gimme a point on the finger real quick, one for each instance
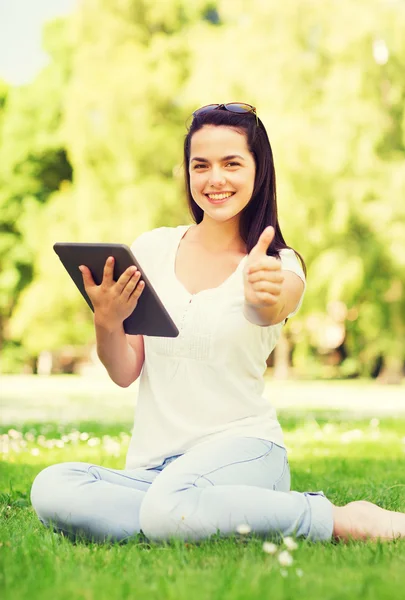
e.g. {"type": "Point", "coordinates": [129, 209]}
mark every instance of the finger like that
{"type": "Point", "coordinates": [108, 271]}
{"type": "Point", "coordinates": [87, 277]}
{"type": "Point", "coordinates": [125, 277]}
{"type": "Point", "coordinates": [266, 286]}
{"type": "Point", "coordinates": [273, 276]}
{"type": "Point", "coordinates": [131, 284]}
{"type": "Point", "coordinates": [264, 265]}
{"type": "Point", "coordinates": [263, 242]}
{"type": "Point", "coordinates": [263, 262]}
{"type": "Point", "coordinates": [138, 290]}
{"type": "Point", "coordinates": [267, 299]}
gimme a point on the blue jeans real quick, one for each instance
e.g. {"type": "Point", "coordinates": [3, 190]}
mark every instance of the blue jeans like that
{"type": "Point", "coordinates": [209, 489]}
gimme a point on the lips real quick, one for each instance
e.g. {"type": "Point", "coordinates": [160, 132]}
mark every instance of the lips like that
{"type": "Point", "coordinates": [220, 199]}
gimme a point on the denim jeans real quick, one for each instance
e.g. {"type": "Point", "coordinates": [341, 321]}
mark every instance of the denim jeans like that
{"type": "Point", "coordinates": [210, 489]}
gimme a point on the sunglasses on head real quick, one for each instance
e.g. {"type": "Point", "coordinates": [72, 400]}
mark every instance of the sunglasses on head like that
{"type": "Point", "coordinates": [235, 107]}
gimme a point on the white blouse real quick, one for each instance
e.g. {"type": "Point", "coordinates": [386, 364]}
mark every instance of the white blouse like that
{"type": "Point", "coordinates": [207, 383]}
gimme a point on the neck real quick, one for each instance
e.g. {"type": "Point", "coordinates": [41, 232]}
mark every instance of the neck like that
{"type": "Point", "coordinates": [219, 237]}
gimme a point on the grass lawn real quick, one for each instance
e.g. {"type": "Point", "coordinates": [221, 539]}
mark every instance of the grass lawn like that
{"type": "Point", "coordinates": [347, 459]}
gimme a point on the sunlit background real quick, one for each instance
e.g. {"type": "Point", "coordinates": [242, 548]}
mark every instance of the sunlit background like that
{"type": "Point", "coordinates": [94, 98]}
{"type": "Point", "coordinates": [21, 21]}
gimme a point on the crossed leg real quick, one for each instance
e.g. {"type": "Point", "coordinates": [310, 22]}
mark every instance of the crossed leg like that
{"type": "Point", "coordinates": [80, 498]}
{"type": "Point", "coordinates": [222, 484]}
{"type": "Point", "coordinates": [211, 488]}
{"type": "Point", "coordinates": [219, 485]}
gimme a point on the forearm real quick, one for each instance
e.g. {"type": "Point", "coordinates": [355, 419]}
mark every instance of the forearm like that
{"type": "Point", "coordinates": [118, 357]}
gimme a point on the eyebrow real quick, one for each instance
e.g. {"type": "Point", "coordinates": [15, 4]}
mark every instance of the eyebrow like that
{"type": "Point", "coordinates": [229, 157]}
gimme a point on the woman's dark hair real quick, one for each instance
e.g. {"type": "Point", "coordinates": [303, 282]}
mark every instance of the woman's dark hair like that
{"type": "Point", "coordinates": [261, 211]}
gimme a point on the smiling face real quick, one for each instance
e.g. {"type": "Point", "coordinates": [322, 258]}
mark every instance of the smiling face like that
{"type": "Point", "coordinates": [222, 171]}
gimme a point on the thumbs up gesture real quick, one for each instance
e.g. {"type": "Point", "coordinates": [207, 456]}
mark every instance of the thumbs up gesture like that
{"type": "Point", "coordinates": [262, 274]}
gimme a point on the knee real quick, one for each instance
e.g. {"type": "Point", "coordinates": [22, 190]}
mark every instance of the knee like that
{"type": "Point", "coordinates": [47, 490]}
{"type": "Point", "coordinates": [41, 487]}
{"type": "Point", "coordinates": [161, 516]}
{"type": "Point", "coordinates": [154, 516]}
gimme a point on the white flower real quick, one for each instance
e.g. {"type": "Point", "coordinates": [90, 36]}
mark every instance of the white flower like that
{"type": "Point", "coordinates": [349, 436]}
{"type": "Point", "coordinates": [285, 559]}
{"type": "Point", "coordinates": [94, 441]}
{"type": "Point", "coordinates": [299, 572]}
{"type": "Point", "coordinates": [35, 451]}
{"type": "Point", "coordinates": [289, 542]}
{"type": "Point", "coordinates": [243, 529]}
{"type": "Point", "coordinates": [14, 434]}
{"type": "Point", "coordinates": [269, 548]}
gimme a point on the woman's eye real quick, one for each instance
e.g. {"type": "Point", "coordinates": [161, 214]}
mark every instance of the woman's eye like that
{"type": "Point", "coordinates": [229, 164]}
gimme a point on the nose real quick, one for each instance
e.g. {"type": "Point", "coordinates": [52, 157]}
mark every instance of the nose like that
{"type": "Point", "coordinates": [217, 177]}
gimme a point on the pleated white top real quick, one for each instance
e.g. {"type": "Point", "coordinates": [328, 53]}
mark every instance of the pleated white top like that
{"type": "Point", "coordinates": [207, 383]}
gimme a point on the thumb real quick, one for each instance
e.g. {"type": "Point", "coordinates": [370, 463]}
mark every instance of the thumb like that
{"type": "Point", "coordinates": [264, 241]}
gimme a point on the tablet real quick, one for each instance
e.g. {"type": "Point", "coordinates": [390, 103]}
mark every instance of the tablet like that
{"type": "Point", "coordinates": [150, 317]}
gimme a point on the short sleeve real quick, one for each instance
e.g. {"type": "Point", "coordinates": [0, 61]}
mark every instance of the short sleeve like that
{"type": "Point", "coordinates": [290, 262]}
{"type": "Point", "coordinates": [139, 247]}
{"type": "Point", "coordinates": [149, 247]}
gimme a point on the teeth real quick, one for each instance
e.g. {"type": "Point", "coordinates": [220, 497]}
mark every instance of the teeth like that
{"type": "Point", "coordinates": [220, 196]}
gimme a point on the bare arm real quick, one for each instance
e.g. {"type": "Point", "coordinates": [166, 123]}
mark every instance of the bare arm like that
{"type": "Point", "coordinates": [113, 301]}
{"type": "Point", "coordinates": [122, 355]}
{"type": "Point", "coordinates": [271, 294]}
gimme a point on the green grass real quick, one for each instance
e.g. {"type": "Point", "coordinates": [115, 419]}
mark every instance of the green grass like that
{"type": "Point", "coordinates": [348, 460]}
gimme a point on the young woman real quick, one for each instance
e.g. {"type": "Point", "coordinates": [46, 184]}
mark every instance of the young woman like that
{"type": "Point", "coordinates": [207, 452]}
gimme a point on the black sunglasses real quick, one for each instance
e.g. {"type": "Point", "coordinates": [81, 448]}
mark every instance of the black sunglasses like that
{"type": "Point", "coordinates": [235, 107]}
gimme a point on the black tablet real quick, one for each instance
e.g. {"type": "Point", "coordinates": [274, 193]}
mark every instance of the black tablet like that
{"type": "Point", "coordinates": [150, 316]}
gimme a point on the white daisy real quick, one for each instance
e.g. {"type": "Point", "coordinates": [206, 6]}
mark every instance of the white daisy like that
{"type": "Point", "coordinates": [290, 543]}
{"type": "Point", "coordinates": [269, 548]}
{"type": "Point", "coordinates": [243, 529]}
{"type": "Point", "coordinates": [285, 559]}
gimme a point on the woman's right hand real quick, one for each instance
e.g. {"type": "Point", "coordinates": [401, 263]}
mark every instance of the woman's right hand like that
{"type": "Point", "coordinates": [113, 301]}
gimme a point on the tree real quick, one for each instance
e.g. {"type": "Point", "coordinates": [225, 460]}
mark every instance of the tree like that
{"type": "Point", "coordinates": [33, 164]}
{"type": "Point", "coordinates": [327, 84]}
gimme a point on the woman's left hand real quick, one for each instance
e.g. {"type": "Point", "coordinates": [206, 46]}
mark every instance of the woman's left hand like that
{"type": "Point", "coordinates": [262, 275]}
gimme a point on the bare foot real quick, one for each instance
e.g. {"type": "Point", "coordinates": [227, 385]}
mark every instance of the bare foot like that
{"type": "Point", "coordinates": [362, 520]}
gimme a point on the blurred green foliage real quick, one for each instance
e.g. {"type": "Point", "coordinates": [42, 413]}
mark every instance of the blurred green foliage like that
{"type": "Point", "coordinates": [91, 150]}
